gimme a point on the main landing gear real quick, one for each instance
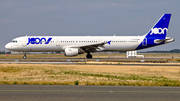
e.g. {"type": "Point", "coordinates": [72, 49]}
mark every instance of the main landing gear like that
{"type": "Point", "coordinates": [89, 56]}
{"type": "Point", "coordinates": [24, 57]}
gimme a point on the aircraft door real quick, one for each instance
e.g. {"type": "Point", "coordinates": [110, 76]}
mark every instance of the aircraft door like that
{"type": "Point", "coordinates": [144, 43]}
{"type": "Point", "coordinates": [57, 41]}
{"type": "Point", "coordinates": [24, 41]}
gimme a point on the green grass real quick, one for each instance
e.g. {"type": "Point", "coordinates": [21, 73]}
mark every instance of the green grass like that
{"type": "Point", "coordinates": [60, 75]}
{"type": "Point", "coordinates": [122, 80]}
{"type": "Point", "coordinates": [10, 69]}
{"type": "Point", "coordinates": [131, 79]}
{"type": "Point", "coordinates": [178, 60]}
{"type": "Point", "coordinates": [76, 82]}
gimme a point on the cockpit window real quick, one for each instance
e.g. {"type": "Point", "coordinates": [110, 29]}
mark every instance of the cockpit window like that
{"type": "Point", "coordinates": [14, 41]}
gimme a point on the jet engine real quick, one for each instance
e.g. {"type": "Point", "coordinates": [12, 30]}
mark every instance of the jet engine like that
{"type": "Point", "coordinates": [73, 51]}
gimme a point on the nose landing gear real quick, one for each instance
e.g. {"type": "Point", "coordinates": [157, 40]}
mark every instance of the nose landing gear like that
{"type": "Point", "coordinates": [88, 56]}
{"type": "Point", "coordinates": [24, 57]}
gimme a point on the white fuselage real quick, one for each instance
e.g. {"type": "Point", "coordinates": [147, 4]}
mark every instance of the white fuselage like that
{"type": "Point", "coordinates": [60, 43]}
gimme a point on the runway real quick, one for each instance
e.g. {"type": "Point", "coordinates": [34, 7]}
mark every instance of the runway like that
{"type": "Point", "coordinates": [84, 60]}
{"type": "Point", "coordinates": [76, 63]}
{"type": "Point", "coordinates": [154, 60]}
{"type": "Point", "coordinates": [87, 93]}
{"type": "Point", "coordinates": [97, 61]}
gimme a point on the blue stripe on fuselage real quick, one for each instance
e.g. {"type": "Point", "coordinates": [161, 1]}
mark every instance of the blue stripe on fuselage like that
{"type": "Point", "coordinates": [149, 43]}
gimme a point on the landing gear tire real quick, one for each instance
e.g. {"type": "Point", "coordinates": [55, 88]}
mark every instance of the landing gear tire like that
{"type": "Point", "coordinates": [89, 56]}
{"type": "Point", "coordinates": [24, 57]}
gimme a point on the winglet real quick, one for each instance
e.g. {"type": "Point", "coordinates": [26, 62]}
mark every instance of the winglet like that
{"type": "Point", "coordinates": [109, 42]}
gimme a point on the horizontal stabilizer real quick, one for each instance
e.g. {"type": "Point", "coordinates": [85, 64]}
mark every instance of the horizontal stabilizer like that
{"type": "Point", "coordinates": [167, 40]}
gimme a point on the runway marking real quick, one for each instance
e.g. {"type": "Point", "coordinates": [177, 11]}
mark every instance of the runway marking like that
{"type": "Point", "coordinates": [165, 92]}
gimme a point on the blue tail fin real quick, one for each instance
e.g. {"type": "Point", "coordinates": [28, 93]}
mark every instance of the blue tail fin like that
{"type": "Point", "coordinates": [157, 34]}
{"type": "Point", "coordinates": [160, 29]}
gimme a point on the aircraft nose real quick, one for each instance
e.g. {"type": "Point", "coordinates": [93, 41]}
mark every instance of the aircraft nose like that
{"type": "Point", "coordinates": [8, 46]}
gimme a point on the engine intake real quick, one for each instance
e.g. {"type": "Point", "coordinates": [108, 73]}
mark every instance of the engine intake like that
{"type": "Point", "coordinates": [73, 51]}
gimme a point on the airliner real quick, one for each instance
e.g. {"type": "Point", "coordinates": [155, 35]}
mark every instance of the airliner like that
{"type": "Point", "coordinates": [75, 45]}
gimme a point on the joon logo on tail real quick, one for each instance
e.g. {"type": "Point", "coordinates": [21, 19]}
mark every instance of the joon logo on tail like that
{"type": "Point", "coordinates": [38, 40]}
{"type": "Point", "coordinates": [158, 31]}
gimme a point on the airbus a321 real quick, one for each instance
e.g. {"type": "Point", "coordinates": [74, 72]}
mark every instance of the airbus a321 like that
{"type": "Point", "coordinates": [75, 45]}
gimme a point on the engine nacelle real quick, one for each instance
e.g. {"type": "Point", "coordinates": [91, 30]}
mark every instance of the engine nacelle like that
{"type": "Point", "coordinates": [73, 51]}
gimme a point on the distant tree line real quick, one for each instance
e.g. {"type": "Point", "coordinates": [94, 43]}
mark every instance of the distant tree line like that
{"type": "Point", "coordinates": [51, 52]}
{"type": "Point", "coordinates": [171, 51]}
{"type": "Point", "coordinates": [9, 52]}
{"type": "Point", "coordinates": [3, 52]}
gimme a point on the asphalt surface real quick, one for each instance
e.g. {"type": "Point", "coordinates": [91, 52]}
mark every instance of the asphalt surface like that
{"type": "Point", "coordinates": [83, 60]}
{"type": "Point", "coordinates": [76, 63]}
{"type": "Point", "coordinates": [87, 93]}
{"type": "Point", "coordinates": [86, 58]}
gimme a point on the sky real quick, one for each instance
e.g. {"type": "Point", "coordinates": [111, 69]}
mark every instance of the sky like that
{"type": "Point", "coordinates": [86, 18]}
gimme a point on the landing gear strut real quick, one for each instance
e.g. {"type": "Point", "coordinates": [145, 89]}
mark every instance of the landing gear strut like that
{"type": "Point", "coordinates": [89, 56]}
{"type": "Point", "coordinates": [24, 57]}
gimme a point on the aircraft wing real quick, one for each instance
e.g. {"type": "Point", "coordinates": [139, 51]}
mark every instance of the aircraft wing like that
{"type": "Point", "coordinates": [91, 47]}
{"type": "Point", "coordinates": [94, 47]}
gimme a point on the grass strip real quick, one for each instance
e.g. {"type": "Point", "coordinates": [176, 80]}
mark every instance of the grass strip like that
{"type": "Point", "coordinates": [123, 80]}
{"type": "Point", "coordinates": [76, 75]}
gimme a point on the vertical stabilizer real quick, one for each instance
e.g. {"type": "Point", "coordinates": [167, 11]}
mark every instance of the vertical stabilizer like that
{"type": "Point", "coordinates": [157, 34]}
{"type": "Point", "coordinates": [160, 29]}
